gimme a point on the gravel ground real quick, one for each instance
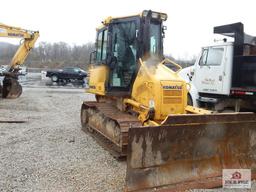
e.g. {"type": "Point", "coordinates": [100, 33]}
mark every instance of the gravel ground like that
{"type": "Point", "coordinates": [50, 152]}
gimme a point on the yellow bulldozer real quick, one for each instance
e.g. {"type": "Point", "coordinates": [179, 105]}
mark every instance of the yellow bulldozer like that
{"type": "Point", "coordinates": [141, 113]}
{"type": "Point", "coordinates": [11, 88]}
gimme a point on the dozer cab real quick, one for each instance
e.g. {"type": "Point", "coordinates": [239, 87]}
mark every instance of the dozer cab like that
{"type": "Point", "coordinates": [141, 113]}
{"type": "Point", "coordinates": [11, 87]}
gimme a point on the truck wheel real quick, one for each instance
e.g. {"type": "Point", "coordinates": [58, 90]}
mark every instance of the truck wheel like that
{"type": "Point", "coordinates": [54, 78]}
{"type": "Point", "coordinates": [64, 82]}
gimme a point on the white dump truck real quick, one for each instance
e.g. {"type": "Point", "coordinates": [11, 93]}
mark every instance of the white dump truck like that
{"type": "Point", "coordinates": [223, 77]}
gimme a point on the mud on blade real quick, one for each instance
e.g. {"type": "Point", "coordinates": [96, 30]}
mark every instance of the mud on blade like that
{"type": "Point", "coordinates": [190, 151]}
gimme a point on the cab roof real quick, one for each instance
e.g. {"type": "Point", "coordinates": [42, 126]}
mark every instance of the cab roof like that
{"type": "Point", "coordinates": [162, 16]}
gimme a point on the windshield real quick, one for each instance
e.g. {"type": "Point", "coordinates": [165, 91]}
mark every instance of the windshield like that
{"type": "Point", "coordinates": [77, 70]}
{"type": "Point", "coordinates": [124, 48]}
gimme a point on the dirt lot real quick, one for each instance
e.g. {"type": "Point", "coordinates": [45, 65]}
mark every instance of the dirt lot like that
{"type": "Point", "coordinates": [49, 152]}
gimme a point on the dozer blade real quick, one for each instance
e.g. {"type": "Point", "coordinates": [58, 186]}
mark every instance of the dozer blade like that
{"type": "Point", "coordinates": [190, 151]}
{"type": "Point", "coordinates": [11, 88]}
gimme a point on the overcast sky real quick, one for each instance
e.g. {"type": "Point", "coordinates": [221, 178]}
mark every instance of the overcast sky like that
{"type": "Point", "coordinates": [189, 25]}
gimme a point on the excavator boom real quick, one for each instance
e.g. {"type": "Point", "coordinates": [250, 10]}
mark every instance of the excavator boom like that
{"type": "Point", "coordinates": [11, 87]}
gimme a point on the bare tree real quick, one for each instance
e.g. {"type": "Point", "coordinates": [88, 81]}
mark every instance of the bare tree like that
{"type": "Point", "coordinates": [51, 55]}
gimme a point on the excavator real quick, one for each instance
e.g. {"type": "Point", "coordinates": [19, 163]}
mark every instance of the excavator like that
{"type": "Point", "coordinates": [11, 88]}
{"type": "Point", "coordinates": [141, 113]}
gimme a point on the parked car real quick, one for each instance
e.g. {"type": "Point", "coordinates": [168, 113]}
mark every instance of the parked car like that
{"type": "Point", "coordinates": [67, 75]}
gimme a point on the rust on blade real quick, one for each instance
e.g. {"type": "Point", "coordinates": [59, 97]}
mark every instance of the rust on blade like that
{"type": "Point", "coordinates": [210, 118]}
{"type": "Point", "coordinates": [190, 151]}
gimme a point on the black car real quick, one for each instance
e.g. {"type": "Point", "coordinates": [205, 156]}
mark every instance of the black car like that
{"type": "Point", "coordinates": [67, 74]}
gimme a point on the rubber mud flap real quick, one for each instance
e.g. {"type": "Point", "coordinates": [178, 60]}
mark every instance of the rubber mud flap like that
{"type": "Point", "coordinates": [190, 151]}
{"type": "Point", "coordinates": [11, 88]}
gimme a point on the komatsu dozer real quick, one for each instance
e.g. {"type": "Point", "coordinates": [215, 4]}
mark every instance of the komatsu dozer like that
{"type": "Point", "coordinates": [141, 113]}
{"type": "Point", "coordinates": [11, 87]}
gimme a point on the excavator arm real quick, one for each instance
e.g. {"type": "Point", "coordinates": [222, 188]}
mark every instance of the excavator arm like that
{"type": "Point", "coordinates": [11, 87]}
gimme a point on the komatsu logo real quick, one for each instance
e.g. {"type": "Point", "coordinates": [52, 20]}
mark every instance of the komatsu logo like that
{"type": "Point", "coordinates": [172, 87]}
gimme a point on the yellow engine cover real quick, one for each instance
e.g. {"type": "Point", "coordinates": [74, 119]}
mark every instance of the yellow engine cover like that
{"type": "Point", "coordinates": [160, 88]}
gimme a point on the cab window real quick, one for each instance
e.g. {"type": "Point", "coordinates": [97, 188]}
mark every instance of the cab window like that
{"type": "Point", "coordinates": [203, 57]}
{"type": "Point", "coordinates": [68, 69]}
{"type": "Point", "coordinates": [155, 36]}
{"type": "Point", "coordinates": [101, 47]}
{"type": "Point", "coordinates": [124, 48]}
{"type": "Point", "coordinates": [212, 56]}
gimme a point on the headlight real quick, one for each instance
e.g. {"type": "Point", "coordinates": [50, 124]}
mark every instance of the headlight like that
{"type": "Point", "coordinates": [163, 16]}
{"type": "Point", "coordinates": [155, 15]}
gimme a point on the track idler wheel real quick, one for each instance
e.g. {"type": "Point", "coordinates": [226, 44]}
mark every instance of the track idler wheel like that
{"type": "Point", "coordinates": [85, 119]}
{"type": "Point", "coordinates": [11, 88]}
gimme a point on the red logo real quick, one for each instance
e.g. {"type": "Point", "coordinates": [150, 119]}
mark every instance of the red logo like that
{"type": "Point", "coordinates": [236, 175]}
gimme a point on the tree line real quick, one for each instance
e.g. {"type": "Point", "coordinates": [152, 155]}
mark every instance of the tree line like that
{"type": "Point", "coordinates": [61, 54]}
{"type": "Point", "coordinates": [51, 55]}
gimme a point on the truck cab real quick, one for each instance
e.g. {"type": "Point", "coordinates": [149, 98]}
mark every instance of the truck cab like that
{"type": "Point", "coordinates": [224, 75]}
{"type": "Point", "coordinates": [213, 69]}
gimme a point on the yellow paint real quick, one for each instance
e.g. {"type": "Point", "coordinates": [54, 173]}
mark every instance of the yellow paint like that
{"type": "Point", "coordinates": [109, 19]}
{"type": "Point", "coordinates": [151, 85]}
{"type": "Point", "coordinates": [156, 90]}
{"type": "Point", "coordinates": [195, 110]}
{"type": "Point", "coordinates": [98, 78]}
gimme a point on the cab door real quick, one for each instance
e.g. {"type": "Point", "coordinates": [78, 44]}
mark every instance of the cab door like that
{"type": "Point", "coordinates": [124, 51]}
{"type": "Point", "coordinates": [209, 72]}
{"type": "Point", "coordinates": [99, 71]}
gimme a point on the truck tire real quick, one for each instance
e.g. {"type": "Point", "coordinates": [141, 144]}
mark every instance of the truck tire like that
{"type": "Point", "coordinates": [54, 78]}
